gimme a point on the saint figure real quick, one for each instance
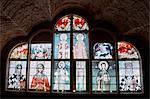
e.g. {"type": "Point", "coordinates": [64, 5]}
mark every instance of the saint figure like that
{"type": "Point", "coordinates": [61, 77]}
{"type": "Point", "coordinates": [17, 80]}
{"type": "Point", "coordinates": [79, 48]}
{"type": "Point", "coordinates": [103, 78]}
{"type": "Point", "coordinates": [63, 47]}
{"type": "Point", "coordinates": [40, 80]}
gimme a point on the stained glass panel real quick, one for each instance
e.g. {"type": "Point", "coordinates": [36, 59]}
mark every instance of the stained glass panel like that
{"type": "Point", "coordinates": [103, 51]}
{"type": "Point", "coordinates": [79, 23]}
{"type": "Point", "coordinates": [41, 51]}
{"type": "Point", "coordinates": [129, 76]}
{"type": "Point", "coordinates": [63, 24]}
{"type": "Point", "coordinates": [62, 46]}
{"type": "Point", "coordinates": [80, 46]}
{"type": "Point", "coordinates": [61, 78]}
{"type": "Point", "coordinates": [126, 50]}
{"type": "Point", "coordinates": [103, 76]}
{"type": "Point", "coordinates": [40, 73]}
{"type": "Point", "coordinates": [20, 52]}
{"type": "Point", "coordinates": [17, 75]}
{"type": "Point", "coordinates": [80, 75]}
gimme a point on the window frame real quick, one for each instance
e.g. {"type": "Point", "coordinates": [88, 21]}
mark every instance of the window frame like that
{"type": "Point", "coordinates": [88, 69]}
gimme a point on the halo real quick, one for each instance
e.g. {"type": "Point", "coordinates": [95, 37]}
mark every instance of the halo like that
{"type": "Point", "coordinates": [77, 37]}
{"type": "Point", "coordinates": [63, 36]}
{"type": "Point", "coordinates": [101, 62]}
{"type": "Point", "coordinates": [61, 62]}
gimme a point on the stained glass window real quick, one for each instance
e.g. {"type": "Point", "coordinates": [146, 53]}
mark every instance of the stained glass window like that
{"type": "Point", "coordinates": [19, 52]}
{"type": "Point", "coordinates": [17, 75]}
{"type": "Point", "coordinates": [39, 78]}
{"type": "Point", "coordinates": [126, 50]}
{"type": "Point", "coordinates": [80, 48]}
{"type": "Point", "coordinates": [130, 76]}
{"type": "Point", "coordinates": [65, 62]}
{"type": "Point", "coordinates": [61, 78]}
{"type": "Point", "coordinates": [81, 75]}
{"type": "Point", "coordinates": [103, 51]}
{"type": "Point", "coordinates": [79, 23]}
{"type": "Point", "coordinates": [17, 67]}
{"type": "Point", "coordinates": [62, 46]}
{"type": "Point", "coordinates": [130, 72]}
{"type": "Point", "coordinates": [104, 76]}
{"type": "Point", "coordinates": [41, 51]}
{"type": "Point", "coordinates": [63, 24]}
{"type": "Point", "coordinates": [70, 43]}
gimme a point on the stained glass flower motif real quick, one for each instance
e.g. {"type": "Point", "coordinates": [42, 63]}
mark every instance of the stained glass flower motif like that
{"type": "Point", "coordinates": [20, 52]}
{"type": "Point", "coordinates": [126, 50]}
{"type": "Point", "coordinates": [63, 24]}
{"type": "Point", "coordinates": [79, 23]}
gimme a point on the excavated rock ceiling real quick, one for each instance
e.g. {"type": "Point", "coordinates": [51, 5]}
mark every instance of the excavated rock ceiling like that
{"type": "Point", "coordinates": [18, 17]}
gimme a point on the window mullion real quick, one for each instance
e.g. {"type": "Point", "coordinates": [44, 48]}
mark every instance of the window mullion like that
{"type": "Point", "coordinates": [71, 56]}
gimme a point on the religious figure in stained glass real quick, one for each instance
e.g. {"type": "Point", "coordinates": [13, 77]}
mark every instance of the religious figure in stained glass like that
{"type": "Point", "coordinates": [80, 75]}
{"type": "Point", "coordinates": [61, 77]}
{"type": "Point", "coordinates": [17, 79]}
{"type": "Point", "coordinates": [63, 47]}
{"type": "Point", "coordinates": [80, 48]}
{"type": "Point", "coordinates": [40, 80]}
{"type": "Point", "coordinates": [103, 77]}
{"type": "Point", "coordinates": [103, 51]}
{"type": "Point", "coordinates": [129, 81]}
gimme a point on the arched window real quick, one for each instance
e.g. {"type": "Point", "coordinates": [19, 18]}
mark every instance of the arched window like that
{"type": "Point", "coordinates": [17, 64]}
{"type": "Point", "coordinates": [71, 53]}
{"type": "Point", "coordinates": [39, 63]}
{"type": "Point", "coordinates": [130, 70]}
{"type": "Point", "coordinates": [71, 59]}
{"type": "Point", "coordinates": [104, 68]}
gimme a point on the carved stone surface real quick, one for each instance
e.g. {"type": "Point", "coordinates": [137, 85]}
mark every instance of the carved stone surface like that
{"type": "Point", "coordinates": [18, 17]}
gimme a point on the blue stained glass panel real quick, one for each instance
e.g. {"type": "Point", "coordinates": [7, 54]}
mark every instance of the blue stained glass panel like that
{"type": "Point", "coordinates": [62, 46]}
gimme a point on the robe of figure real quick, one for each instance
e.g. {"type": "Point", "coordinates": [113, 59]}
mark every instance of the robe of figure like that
{"type": "Point", "coordinates": [80, 50]}
{"type": "Point", "coordinates": [16, 81]}
{"type": "Point", "coordinates": [63, 50]}
{"type": "Point", "coordinates": [40, 82]}
{"type": "Point", "coordinates": [103, 80]}
{"type": "Point", "coordinates": [61, 78]}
